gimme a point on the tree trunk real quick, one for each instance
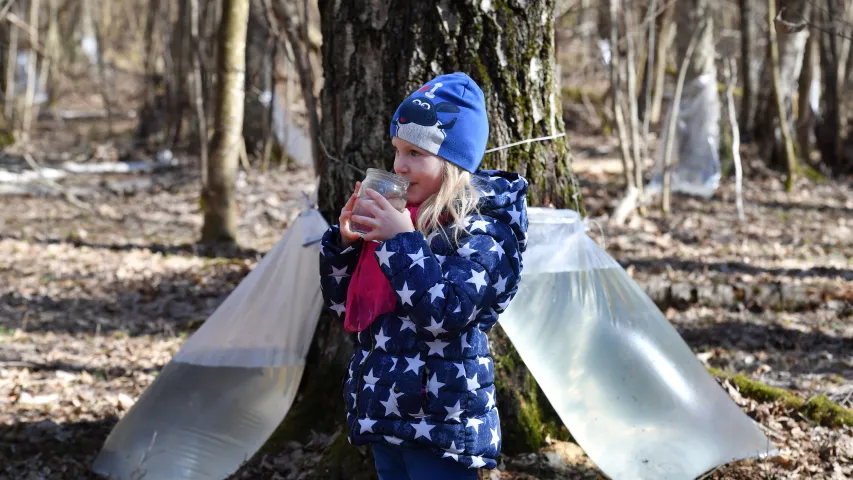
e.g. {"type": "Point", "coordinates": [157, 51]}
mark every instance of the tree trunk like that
{"type": "Point", "coordinates": [11, 64]}
{"type": "Point", "coordinates": [508, 50]}
{"type": "Point", "coordinates": [747, 40]}
{"type": "Point", "coordinates": [220, 210]}
{"type": "Point", "coordinates": [198, 90]}
{"type": "Point", "coordinates": [633, 113]}
{"type": "Point", "coordinates": [791, 48]}
{"type": "Point", "coordinates": [696, 51]}
{"type": "Point", "coordinates": [665, 27]}
{"type": "Point", "coordinates": [32, 59]}
{"type": "Point", "coordinates": [694, 62]}
{"type": "Point", "coordinates": [809, 73]}
{"type": "Point", "coordinates": [616, 93]}
{"type": "Point", "coordinates": [828, 127]}
{"type": "Point", "coordinates": [780, 96]}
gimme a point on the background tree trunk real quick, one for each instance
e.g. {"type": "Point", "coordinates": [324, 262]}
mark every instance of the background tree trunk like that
{"type": "Point", "coordinates": [791, 48]}
{"type": "Point", "coordinates": [809, 73]}
{"type": "Point", "coordinates": [747, 40]}
{"type": "Point", "coordinates": [509, 51]}
{"type": "Point", "coordinates": [781, 94]}
{"type": "Point", "coordinates": [32, 61]}
{"type": "Point", "coordinates": [220, 211]}
{"type": "Point", "coordinates": [828, 127]}
{"type": "Point", "coordinates": [665, 36]}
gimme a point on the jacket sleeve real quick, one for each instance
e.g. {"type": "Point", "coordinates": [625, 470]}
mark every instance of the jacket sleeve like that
{"type": "Point", "coordinates": [336, 268]}
{"type": "Point", "coordinates": [447, 293]}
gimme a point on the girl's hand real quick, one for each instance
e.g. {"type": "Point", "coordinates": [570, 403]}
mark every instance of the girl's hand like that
{"type": "Point", "coordinates": [387, 221]}
{"type": "Point", "coordinates": [348, 237]}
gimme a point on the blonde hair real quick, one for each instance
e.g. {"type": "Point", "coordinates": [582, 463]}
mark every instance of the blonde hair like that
{"type": "Point", "coordinates": [457, 198]}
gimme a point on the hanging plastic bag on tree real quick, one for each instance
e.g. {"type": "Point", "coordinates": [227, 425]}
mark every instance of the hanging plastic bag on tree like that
{"type": "Point", "coordinates": [620, 377]}
{"type": "Point", "coordinates": [231, 384]}
{"type": "Point", "coordinates": [695, 163]}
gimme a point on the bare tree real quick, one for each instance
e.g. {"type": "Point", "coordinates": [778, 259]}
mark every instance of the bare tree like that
{"type": "Point", "coordinates": [747, 39]}
{"type": "Point", "coordinates": [32, 61]}
{"type": "Point", "coordinates": [220, 209]}
{"type": "Point", "coordinates": [198, 89]}
{"type": "Point", "coordinates": [779, 94]}
{"type": "Point", "coordinates": [828, 128]}
{"type": "Point", "coordinates": [695, 44]}
{"type": "Point", "coordinates": [666, 29]}
{"type": "Point", "coordinates": [616, 93]}
{"type": "Point", "coordinates": [11, 63]}
{"type": "Point", "coordinates": [633, 112]}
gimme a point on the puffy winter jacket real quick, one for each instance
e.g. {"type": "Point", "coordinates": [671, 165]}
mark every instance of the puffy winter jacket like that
{"type": "Point", "coordinates": [422, 376]}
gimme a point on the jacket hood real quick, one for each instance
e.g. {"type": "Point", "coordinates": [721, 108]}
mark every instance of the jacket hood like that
{"type": "Point", "coordinates": [505, 198]}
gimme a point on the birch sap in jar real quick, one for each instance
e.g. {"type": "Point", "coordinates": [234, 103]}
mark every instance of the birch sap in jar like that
{"type": "Point", "coordinates": [390, 185]}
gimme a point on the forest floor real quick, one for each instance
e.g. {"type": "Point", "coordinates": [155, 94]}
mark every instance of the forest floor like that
{"type": "Point", "coordinates": [97, 294]}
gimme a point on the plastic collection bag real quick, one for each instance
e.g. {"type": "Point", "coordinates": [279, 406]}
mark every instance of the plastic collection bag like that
{"type": "Point", "coordinates": [231, 384]}
{"type": "Point", "coordinates": [621, 378]}
{"type": "Point", "coordinates": [695, 163]}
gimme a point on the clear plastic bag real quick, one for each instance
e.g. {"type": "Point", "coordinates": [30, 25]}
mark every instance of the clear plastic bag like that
{"type": "Point", "coordinates": [695, 163]}
{"type": "Point", "coordinates": [231, 384]}
{"type": "Point", "coordinates": [621, 378]}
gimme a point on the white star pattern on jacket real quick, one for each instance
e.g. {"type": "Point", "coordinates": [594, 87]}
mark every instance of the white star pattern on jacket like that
{"type": "Point", "coordinates": [437, 347]}
{"type": "Point", "coordinates": [366, 424]}
{"type": "Point", "coordinates": [384, 256]}
{"type": "Point", "coordinates": [498, 247]}
{"type": "Point", "coordinates": [435, 328]}
{"type": "Point", "coordinates": [422, 429]}
{"type": "Point", "coordinates": [478, 279]}
{"type": "Point", "coordinates": [381, 339]}
{"type": "Point", "coordinates": [448, 293]}
{"type": "Point", "coordinates": [339, 273]}
{"type": "Point", "coordinates": [454, 412]}
{"type": "Point", "coordinates": [417, 258]}
{"type": "Point", "coordinates": [478, 225]}
{"type": "Point", "coordinates": [406, 294]}
{"type": "Point", "coordinates": [475, 424]}
{"type": "Point", "coordinates": [437, 291]}
{"type": "Point", "coordinates": [495, 437]}
{"type": "Point", "coordinates": [415, 364]}
{"type": "Point", "coordinates": [339, 308]}
{"type": "Point", "coordinates": [433, 386]}
{"type": "Point", "coordinates": [466, 250]}
{"type": "Point", "coordinates": [390, 405]}
{"type": "Point", "coordinates": [370, 381]}
{"type": "Point", "coordinates": [407, 324]}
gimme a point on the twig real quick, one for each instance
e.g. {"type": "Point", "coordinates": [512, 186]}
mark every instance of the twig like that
{"type": "Point", "coordinates": [6, 8]}
{"type": "Point", "coordinates": [730, 73]}
{"type": "Point", "coordinates": [522, 142]}
{"type": "Point", "coordinates": [330, 157]}
{"type": "Point", "coordinates": [68, 196]}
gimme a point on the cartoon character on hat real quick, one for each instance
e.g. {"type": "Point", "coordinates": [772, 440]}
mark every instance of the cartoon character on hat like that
{"type": "Point", "coordinates": [446, 117]}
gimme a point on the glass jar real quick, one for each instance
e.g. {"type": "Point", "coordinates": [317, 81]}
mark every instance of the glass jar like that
{"type": "Point", "coordinates": [390, 185]}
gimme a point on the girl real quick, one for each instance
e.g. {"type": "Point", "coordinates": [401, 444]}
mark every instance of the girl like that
{"type": "Point", "coordinates": [423, 288]}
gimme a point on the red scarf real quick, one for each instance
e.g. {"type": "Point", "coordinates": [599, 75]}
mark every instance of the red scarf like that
{"type": "Point", "coordinates": [370, 294]}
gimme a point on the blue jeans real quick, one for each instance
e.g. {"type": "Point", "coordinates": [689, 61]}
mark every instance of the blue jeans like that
{"type": "Point", "coordinates": [397, 463]}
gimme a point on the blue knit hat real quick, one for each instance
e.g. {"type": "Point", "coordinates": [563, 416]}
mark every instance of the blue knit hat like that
{"type": "Point", "coordinates": [446, 117]}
